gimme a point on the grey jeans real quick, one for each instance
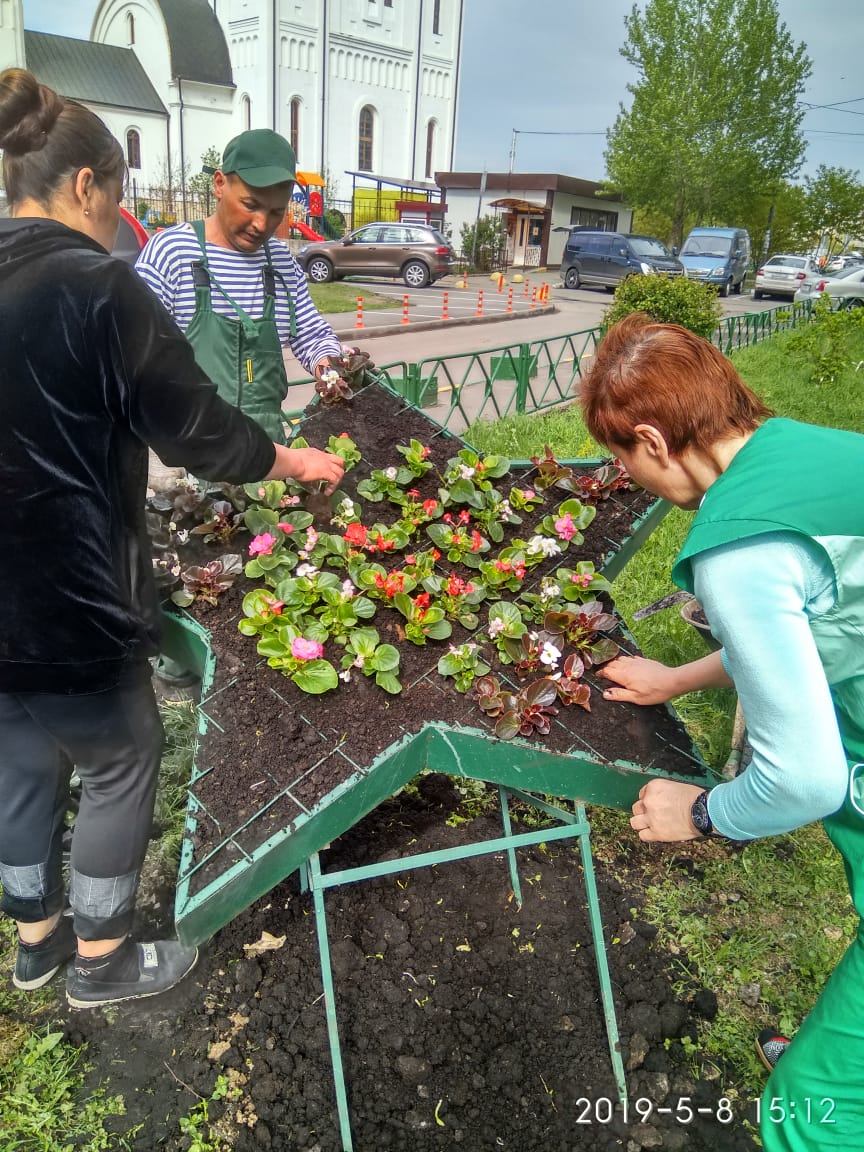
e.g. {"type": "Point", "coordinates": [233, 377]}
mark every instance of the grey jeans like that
{"type": "Point", "coordinates": [115, 741]}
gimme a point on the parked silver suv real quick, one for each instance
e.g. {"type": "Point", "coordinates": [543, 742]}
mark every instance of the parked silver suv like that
{"type": "Point", "coordinates": [416, 252]}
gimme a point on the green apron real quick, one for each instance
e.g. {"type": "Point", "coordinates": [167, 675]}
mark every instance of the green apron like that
{"type": "Point", "coordinates": [242, 356]}
{"type": "Point", "coordinates": [805, 479]}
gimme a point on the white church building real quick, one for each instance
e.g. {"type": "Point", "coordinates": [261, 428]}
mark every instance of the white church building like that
{"type": "Point", "coordinates": [364, 87]}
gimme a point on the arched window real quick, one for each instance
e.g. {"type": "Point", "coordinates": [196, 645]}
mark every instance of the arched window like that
{"type": "Point", "coordinates": [133, 149]}
{"type": "Point", "coordinates": [246, 112]}
{"type": "Point", "coordinates": [366, 139]}
{"type": "Point", "coordinates": [295, 125]}
{"type": "Point", "coordinates": [130, 29]}
{"type": "Point", "coordinates": [430, 147]}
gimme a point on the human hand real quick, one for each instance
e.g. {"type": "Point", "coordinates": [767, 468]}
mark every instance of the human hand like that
{"type": "Point", "coordinates": [639, 681]}
{"type": "Point", "coordinates": [307, 466]}
{"type": "Point", "coordinates": [662, 811]}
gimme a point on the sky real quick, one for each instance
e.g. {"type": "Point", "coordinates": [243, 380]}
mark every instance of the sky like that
{"type": "Point", "coordinates": [555, 66]}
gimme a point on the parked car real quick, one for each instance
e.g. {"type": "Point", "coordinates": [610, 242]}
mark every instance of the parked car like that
{"type": "Point", "coordinates": [416, 252]}
{"type": "Point", "coordinates": [718, 256]}
{"type": "Point", "coordinates": [838, 263]}
{"type": "Point", "coordinates": [784, 275]}
{"type": "Point", "coordinates": [607, 257]}
{"type": "Point", "coordinates": [846, 288]}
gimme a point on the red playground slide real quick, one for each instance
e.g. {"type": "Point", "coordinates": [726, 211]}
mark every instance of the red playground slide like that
{"type": "Point", "coordinates": [306, 231]}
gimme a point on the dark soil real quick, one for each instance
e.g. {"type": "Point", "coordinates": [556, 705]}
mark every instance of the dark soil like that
{"type": "Point", "coordinates": [506, 1040]}
{"type": "Point", "coordinates": [273, 751]}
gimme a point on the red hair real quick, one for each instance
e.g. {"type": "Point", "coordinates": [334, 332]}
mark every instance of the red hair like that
{"type": "Point", "coordinates": [665, 376]}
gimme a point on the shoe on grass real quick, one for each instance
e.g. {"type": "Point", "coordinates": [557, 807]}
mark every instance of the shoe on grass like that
{"type": "Point", "coordinates": [35, 964]}
{"type": "Point", "coordinates": [131, 972]}
{"type": "Point", "coordinates": [770, 1046]}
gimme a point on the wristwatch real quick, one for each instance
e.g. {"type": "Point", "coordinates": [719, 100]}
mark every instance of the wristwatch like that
{"type": "Point", "coordinates": [699, 815]}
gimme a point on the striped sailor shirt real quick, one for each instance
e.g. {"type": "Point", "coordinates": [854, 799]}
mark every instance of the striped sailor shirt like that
{"type": "Point", "coordinates": [165, 265]}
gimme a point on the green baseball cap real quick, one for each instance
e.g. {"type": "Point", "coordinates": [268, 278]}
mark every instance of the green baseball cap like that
{"type": "Point", "coordinates": [260, 157]}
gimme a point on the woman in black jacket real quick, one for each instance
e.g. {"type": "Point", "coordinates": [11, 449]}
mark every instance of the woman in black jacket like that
{"type": "Point", "coordinates": [93, 371]}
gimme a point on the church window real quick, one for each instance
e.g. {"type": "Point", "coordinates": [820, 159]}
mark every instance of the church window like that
{"type": "Point", "coordinates": [436, 17]}
{"type": "Point", "coordinates": [133, 149]}
{"type": "Point", "coordinates": [130, 29]}
{"type": "Point", "coordinates": [430, 147]}
{"type": "Point", "coordinates": [366, 139]}
{"type": "Point", "coordinates": [295, 125]}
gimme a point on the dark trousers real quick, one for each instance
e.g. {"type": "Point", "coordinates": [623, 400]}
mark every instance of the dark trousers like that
{"type": "Point", "coordinates": [115, 741]}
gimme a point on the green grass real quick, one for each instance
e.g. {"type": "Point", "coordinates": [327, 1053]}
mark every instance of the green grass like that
{"type": "Point", "coordinates": [40, 1106]}
{"type": "Point", "coordinates": [783, 381]}
{"type": "Point", "coordinates": [329, 298]}
{"type": "Point", "coordinates": [520, 437]}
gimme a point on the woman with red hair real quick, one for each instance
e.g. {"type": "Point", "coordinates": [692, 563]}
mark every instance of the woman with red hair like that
{"type": "Point", "coordinates": [775, 555]}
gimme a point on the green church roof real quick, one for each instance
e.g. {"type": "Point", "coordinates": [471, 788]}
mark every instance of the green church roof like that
{"type": "Point", "coordinates": [90, 72]}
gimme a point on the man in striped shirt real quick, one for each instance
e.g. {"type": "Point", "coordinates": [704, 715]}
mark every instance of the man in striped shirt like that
{"type": "Point", "coordinates": [238, 294]}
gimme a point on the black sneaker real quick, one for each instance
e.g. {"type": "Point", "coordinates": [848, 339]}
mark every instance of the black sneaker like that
{"type": "Point", "coordinates": [770, 1046]}
{"type": "Point", "coordinates": [130, 972]}
{"type": "Point", "coordinates": [35, 964]}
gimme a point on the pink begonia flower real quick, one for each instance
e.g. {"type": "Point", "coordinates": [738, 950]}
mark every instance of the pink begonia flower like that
{"type": "Point", "coordinates": [303, 649]}
{"type": "Point", "coordinates": [565, 527]}
{"type": "Point", "coordinates": [262, 545]}
{"type": "Point", "coordinates": [583, 579]}
{"type": "Point", "coordinates": [284, 527]}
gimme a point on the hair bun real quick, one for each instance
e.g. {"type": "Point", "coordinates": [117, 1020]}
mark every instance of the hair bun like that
{"type": "Point", "coordinates": [28, 112]}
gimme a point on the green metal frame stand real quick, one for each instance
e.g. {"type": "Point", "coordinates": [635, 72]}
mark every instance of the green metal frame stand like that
{"type": "Point", "coordinates": [313, 879]}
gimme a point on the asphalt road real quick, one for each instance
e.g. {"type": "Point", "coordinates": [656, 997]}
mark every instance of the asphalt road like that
{"type": "Point", "coordinates": [576, 311]}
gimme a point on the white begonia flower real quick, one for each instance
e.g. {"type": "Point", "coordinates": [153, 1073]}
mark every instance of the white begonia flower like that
{"type": "Point", "coordinates": [306, 570]}
{"type": "Point", "coordinates": [496, 627]}
{"type": "Point", "coordinates": [548, 590]}
{"type": "Point", "coordinates": [346, 507]}
{"type": "Point", "coordinates": [549, 654]}
{"type": "Point", "coordinates": [345, 676]}
{"type": "Point", "coordinates": [535, 545]}
{"type": "Point", "coordinates": [549, 547]}
{"type": "Point", "coordinates": [348, 590]}
{"type": "Point", "coordinates": [465, 472]}
{"type": "Point", "coordinates": [390, 473]}
{"type": "Point", "coordinates": [182, 536]}
{"type": "Point", "coordinates": [504, 509]}
{"type": "Point", "coordinates": [359, 661]}
{"type": "Point", "coordinates": [172, 527]}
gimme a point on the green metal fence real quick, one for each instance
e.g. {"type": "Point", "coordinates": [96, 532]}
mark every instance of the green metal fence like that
{"type": "Point", "coordinates": [528, 377]}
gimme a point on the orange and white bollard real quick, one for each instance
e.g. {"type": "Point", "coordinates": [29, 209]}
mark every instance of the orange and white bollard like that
{"type": "Point", "coordinates": [526, 291]}
{"type": "Point", "coordinates": [533, 303]}
{"type": "Point", "coordinates": [545, 293]}
{"type": "Point", "coordinates": [405, 319]}
{"type": "Point", "coordinates": [501, 282]}
{"type": "Point", "coordinates": [359, 323]}
{"type": "Point", "coordinates": [509, 307]}
{"type": "Point", "coordinates": [480, 302]}
{"type": "Point", "coordinates": [445, 307]}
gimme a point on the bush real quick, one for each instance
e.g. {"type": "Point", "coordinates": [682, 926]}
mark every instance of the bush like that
{"type": "Point", "coordinates": [824, 342]}
{"type": "Point", "coordinates": [667, 300]}
{"type": "Point", "coordinates": [491, 241]}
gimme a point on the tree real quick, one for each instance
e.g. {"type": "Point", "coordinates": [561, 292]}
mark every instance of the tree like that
{"type": "Point", "coordinates": [202, 182]}
{"type": "Point", "coordinates": [715, 118]}
{"type": "Point", "coordinates": [833, 206]}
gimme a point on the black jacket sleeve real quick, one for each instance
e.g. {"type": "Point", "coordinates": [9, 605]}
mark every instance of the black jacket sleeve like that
{"type": "Point", "coordinates": [164, 396]}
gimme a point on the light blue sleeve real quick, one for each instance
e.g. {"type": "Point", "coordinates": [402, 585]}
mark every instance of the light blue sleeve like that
{"type": "Point", "coordinates": [759, 595]}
